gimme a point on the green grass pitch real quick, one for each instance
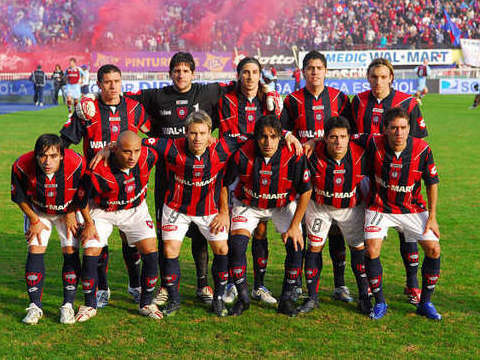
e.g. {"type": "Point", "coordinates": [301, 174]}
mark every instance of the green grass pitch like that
{"type": "Point", "coordinates": [335, 330]}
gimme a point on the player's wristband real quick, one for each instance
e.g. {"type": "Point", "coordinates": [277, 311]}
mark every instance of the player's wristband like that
{"type": "Point", "coordinates": [36, 222]}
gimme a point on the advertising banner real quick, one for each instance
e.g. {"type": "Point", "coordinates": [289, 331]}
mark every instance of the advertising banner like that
{"type": "Point", "coordinates": [361, 59]}
{"type": "Point", "coordinates": [143, 61]}
{"type": "Point", "coordinates": [458, 86]}
{"type": "Point", "coordinates": [279, 60]}
{"type": "Point", "coordinates": [471, 51]}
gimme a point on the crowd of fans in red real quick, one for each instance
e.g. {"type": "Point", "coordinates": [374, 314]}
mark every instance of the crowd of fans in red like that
{"type": "Point", "coordinates": [205, 25]}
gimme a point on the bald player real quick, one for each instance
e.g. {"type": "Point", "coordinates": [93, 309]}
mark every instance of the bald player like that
{"type": "Point", "coordinates": [114, 194]}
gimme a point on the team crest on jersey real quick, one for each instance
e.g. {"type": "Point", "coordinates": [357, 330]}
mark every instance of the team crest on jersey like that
{"type": "Point", "coordinates": [130, 188]}
{"type": "Point", "coordinates": [182, 112]}
{"type": "Point", "coordinates": [251, 117]}
{"type": "Point", "coordinates": [394, 174]}
{"type": "Point", "coordinates": [338, 180]}
{"type": "Point", "coordinates": [264, 181]}
{"type": "Point", "coordinates": [318, 116]}
{"type": "Point", "coordinates": [376, 119]}
{"type": "Point", "coordinates": [197, 173]}
{"type": "Point", "coordinates": [50, 193]}
{"type": "Point", "coordinates": [114, 129]}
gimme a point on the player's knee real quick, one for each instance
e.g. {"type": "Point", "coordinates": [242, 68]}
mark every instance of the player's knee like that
{"type": "Point", "coordinates": [219, 247]}
{"type": "Point", "coordinates": [35, 249]}
{"type": "Point", "coordinates": [171, 249]}
{"type": "Point", "coordinates": [315, 249]}
{"type": "Point", "coordinates": [431, 249]}
{"type": "Point", "coordinates": [93, 251]}
{"type": "Point", "coordinates": [373, 248]}
{"type": "Point", "coordinates": [69, 250]}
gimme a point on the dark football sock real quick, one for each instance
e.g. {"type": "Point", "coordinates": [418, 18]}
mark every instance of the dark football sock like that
{"type": "Point", "coordinates": [409, 252]}
{"type": "Point", "coordinates": [358, 268]}
{"type": "Point", "coordinates": [430, 276]}
{"type": "Point", "coordinates": [220, 274]}
{"type": "Point", "coordinates": [260, 260]}
{"type": "Point", "coordinates": [70, 275]}
{"type": "Point", "coordinates": [149, 278]}
{"type": "Point", "coordinates": [132, 260]}
{"type": "Point", "coordinates": [172, 279]}
{"type": "Point", "coordinates": [336, 247]}
{"type": "Point", "coordinates": [293, 269]}
{"type": "Point", "coordinates": [89, 279]}
{"type": "Point", "coordinates": [200, 256]}
{"type": "Point", "coordinates": [313, 268]}
{"type": "Point", "coordinates": [238, 264]}
{"type": "Point", "coordinates": [34, 277]}
{"type": "Point", "coordinates": [375, 274]}
{"type": "Point", "coordinates": [102, 283]}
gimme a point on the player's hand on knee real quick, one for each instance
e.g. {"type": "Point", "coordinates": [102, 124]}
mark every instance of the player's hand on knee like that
{"type": "Point", "coordinates": [89, 233]}
{"type": "Point", "coordinates": [220, 223]}
{"type": "Point", "coordinates": [71, 223]}
{"type": "Point", "coordinates": [34, 231]}
{"type": "Point", "coordinates": [296, 235]}
{"type": "Point", "coordinates": [432, 224]}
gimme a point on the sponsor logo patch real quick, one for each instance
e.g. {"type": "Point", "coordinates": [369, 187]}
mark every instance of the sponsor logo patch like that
{"type": "Point", "coordinates": [169, 227]}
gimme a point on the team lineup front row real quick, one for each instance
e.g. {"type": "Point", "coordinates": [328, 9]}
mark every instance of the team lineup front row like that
{"type": "Point", "coordinates": [364, 183]}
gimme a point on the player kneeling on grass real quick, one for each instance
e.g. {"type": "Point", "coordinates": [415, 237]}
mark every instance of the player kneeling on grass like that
{"type": "Point", "coordinates": [337, 166]}
{"type": "Point", "coordinates": [44, 183]}
{"type": "Point", "coordinates": [114, 194]}
{"type": "Point", "coordinates": [195, 167]}
{"type": "Point", "coordinates": [269, 178]}
{"type": "Point", "coordinates": [397, 163]}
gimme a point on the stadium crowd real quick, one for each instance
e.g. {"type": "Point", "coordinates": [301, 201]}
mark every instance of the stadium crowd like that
{"type": "Point", "coordinates": [207, 25]}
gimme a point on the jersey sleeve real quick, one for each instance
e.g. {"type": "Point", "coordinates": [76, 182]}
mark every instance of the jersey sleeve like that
{"type": "Point", "coordinates": [72, 131]}
{"type": "Point", "coordinates": [345, 107]}
{"type": "Point", "coordinates": [18, 185]}
{"type": "Point", "coordinates": [228, 145]}
{"type": "Point", "coordinates": [418, 128]}
{"type": "Point", "coordinates": [231, 172]}
{"type": "Point", "coordinates": [159, 145]}
{"type": "Point", "coordinates": [354, 114]}
{"type": "Point", "coordinates": [429, 171]}
{"type": "Point", "coordinates": [302, 176]}
{"type": "Point", "coordinates": [285, 116]}
{"type": "Point", "coordinates": [149, 98]}
{"type": "Point", "coordinates": [85, 190]}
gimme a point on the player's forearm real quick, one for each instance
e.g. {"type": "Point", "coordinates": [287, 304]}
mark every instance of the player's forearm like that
{"type": "Point", "coordinates": [301, 208]}
{"type": "Point", "coordinates": [28, 211]}
{"type": "Point", "coordinates": [86, 215]}
{"type": "Point", "coordinates": [223, 201]}
{"type": "Point", "coordinates": [432, 196]}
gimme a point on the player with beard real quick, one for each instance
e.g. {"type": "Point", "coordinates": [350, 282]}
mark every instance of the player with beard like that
{"type": "Point", "coordinates": [305, 112]}
{"type": "Point", "coordinates": [269, 178]}
{"type": "Point", "coordinates": [368, 108]}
